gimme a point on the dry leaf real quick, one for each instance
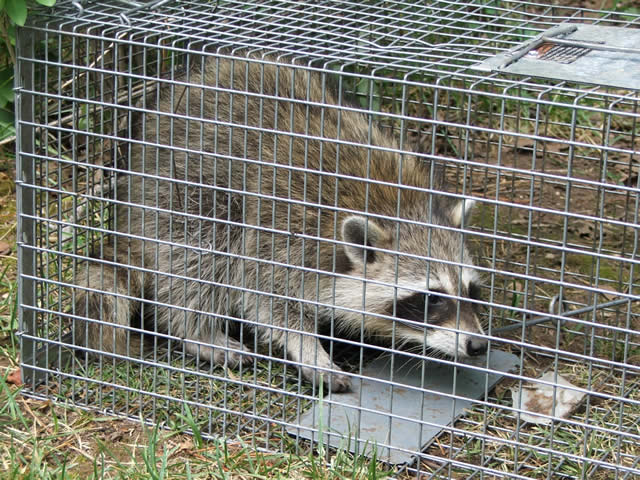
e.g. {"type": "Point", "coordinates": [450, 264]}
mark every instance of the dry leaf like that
{"type": "Point", "coordinates": [5, 248]}
{"type": "Point", "coordinates": [15, 378]}
{"type": "Point", "coordinates": [551, 400]}
{"type": "Point", "coordinates": [608, 296]}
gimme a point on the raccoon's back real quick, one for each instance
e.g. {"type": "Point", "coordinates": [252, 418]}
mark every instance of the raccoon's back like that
{"type": "Point", "coordinates": [252, 142]}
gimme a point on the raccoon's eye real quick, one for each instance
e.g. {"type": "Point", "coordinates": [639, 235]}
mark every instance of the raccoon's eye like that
{"type": "Point", "coordinates": [434, 300]}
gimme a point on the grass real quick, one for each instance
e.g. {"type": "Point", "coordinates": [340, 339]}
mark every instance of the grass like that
{"type": "Point", "coordinates": [43, 440]}
{"type": "Point", "coordinates": [54, 442]}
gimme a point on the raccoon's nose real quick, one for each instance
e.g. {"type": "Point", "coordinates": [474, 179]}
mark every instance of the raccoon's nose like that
{"type": "Point", "coordinates": [476, 346]}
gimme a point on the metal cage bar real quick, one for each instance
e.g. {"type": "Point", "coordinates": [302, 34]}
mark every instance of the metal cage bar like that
{"type": "Point", "coordinates": [189, 166]}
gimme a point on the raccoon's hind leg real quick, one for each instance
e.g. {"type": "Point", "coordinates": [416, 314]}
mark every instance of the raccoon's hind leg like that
{"type": "Point", "coordinates": [105, 299]}
{"type": "Point", "coordinates": [194, 319]}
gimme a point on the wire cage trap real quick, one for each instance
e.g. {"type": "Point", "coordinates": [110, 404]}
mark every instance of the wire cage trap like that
{"type": "Point", "coordinates": [207, 184]}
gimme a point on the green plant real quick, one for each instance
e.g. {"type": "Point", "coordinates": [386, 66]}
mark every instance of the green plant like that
{"type": "Point", "coordinates": [12, 13]}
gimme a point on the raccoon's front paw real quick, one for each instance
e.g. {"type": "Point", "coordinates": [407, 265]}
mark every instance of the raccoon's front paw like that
{"type": "Point", "coordinates": [334, 382]}
{"type": "Point", "coordinates": [230, 359]}
{"type": "Point", "coordinates": [337, 382]}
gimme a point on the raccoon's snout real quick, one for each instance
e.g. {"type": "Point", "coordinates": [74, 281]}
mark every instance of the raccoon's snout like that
{"type": "Point", "coordinates": [476, 346]}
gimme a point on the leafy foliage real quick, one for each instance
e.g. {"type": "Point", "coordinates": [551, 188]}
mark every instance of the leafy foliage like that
{"type": "Point", "coordinates": [12, 13]}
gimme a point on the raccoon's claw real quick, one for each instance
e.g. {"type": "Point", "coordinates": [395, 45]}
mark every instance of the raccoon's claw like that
{"type": "Point", "coordinates": [334, 382]}
{"type": "Point", "coordinates": [337, 382]}
{"type": "Point", "coordinates": [230, 359]}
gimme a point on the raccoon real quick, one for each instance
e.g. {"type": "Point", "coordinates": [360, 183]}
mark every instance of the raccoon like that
{"type": "Point", "coordinates": [253, 194]}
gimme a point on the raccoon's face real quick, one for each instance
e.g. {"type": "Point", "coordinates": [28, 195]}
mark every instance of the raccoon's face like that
{"type": "Point", "coordinates": [424, 295]}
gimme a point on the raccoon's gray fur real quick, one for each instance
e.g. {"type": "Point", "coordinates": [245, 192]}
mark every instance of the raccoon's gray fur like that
{"type": "Point", "coordinates": [246, 198]}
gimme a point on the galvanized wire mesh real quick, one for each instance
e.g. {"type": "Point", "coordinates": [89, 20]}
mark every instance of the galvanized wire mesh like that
{"type": "Point", "coordinates": [553, 166]}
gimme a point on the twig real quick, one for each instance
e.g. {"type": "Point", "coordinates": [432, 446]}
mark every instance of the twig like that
{"type": "Point", "coordinates": [7, 40]}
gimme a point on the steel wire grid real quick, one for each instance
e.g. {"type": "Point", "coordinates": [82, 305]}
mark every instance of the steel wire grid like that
{"type": "Point", "coordinates": [553, 166]}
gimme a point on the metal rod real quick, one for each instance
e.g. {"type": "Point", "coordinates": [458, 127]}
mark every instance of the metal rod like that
{"type": "Point", "coordinates": [573, 313]}
{"type": "Point", "coordinates": [592, 46]}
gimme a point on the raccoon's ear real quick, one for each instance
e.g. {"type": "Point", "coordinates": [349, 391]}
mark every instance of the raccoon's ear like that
{"type": "Point", "coordinates": [362, 233]}
{"type": "Point", "coordinates": [462, 209]}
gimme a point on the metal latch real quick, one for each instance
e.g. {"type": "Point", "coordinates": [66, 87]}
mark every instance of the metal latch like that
{"type": "Point", "coordinates": [581, 53]}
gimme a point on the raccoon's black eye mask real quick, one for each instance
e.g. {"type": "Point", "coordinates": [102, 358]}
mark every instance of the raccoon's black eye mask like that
{"type": "Point", "coordinates": [413, 307]}
{"type": "Point", "coordinates": [474, 292]}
